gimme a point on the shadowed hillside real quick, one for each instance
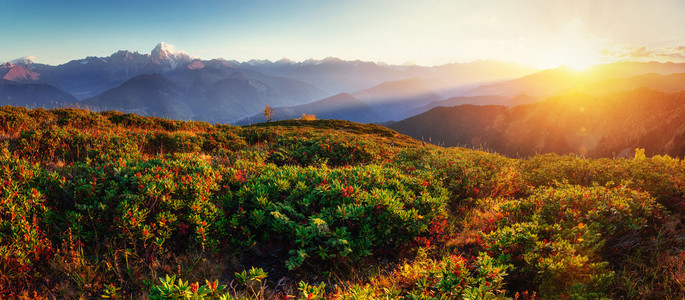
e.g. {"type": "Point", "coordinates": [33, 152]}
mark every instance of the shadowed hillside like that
{"type": "Point", "coordinates": [145, 95]}
{"type": "Point", "coordinates": [605, 126]}
{"type": "Point", "coordinates": [41, 95]}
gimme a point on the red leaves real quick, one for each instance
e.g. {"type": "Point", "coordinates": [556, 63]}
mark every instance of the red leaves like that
{"type": "Point", "coordinates": [437, 232]}
{"type": "Point", "coordinates": [347, 191]}
{"type": "Point", "coordinates": [240, 176]}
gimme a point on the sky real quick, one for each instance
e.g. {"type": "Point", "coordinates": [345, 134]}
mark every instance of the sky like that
{"type": "Point", "coordinates": [544, 34]}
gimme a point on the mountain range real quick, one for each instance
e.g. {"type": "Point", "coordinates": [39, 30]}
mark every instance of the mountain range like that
{"type": "Point", "coordinates": [595, 126]}
{"type": "Point", "coordinates": [172, 84]}
{"type": "Point", "coordinates": [562, 79]}
{"type": "Point", "coordinates": [397, 100]}
{"type": "Point", "coordinates": [220, 90]}
{"type": "Point", "coordinates": [509, 108]}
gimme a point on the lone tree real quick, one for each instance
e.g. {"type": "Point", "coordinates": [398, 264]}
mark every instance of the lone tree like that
{"type": "Point", "coordinates": [268, 113]}
{"type": "Point", "coordinates": [307, 117]}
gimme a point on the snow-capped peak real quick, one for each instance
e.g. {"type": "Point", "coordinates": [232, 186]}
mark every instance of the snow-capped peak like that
{"type": "Point", "coordinates": [26, 60]}
{"type": "Point", "coordinates": [166, 55]}
{"type": "Point", "coordinates": [163, 51]}
{"type": "Point", "coordinates": [285, 61]}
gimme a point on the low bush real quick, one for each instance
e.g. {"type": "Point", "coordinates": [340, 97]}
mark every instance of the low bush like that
{"type": "Point", "coordinates": [118, 205]}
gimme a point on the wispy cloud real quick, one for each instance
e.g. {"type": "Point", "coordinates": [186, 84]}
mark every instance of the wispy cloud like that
{"type": "Point", "coordinates": [645, 54]}
{"type": "Point", "coordinates": [24, 59]}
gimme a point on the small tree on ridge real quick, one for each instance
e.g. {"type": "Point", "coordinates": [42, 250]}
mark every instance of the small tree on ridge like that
{"type": "Point", "coordinates": [268, 113]}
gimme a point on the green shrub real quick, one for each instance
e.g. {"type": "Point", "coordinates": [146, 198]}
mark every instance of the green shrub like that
{"type": "Point", "coordinates": [24, 243]}
{"type": "Point", "coordinates": [70, 145]}
{"type": "Point", "coordinates": [562, 240]}
{"type": "Point", "coordinates": [312, 149]}
{"type": "Point", "coordinates": [104, 204]}
{"type": "Point", "coordinates": [14, 120]}
{"type": "Point", "coordinates": [175, 142]}
{"type": "Point", "coordinates": [80, 118]}
{"type": "Point", "coordinates": [328, 216]}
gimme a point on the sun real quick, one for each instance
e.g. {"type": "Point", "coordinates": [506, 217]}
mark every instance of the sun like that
{"type": "Point", "coordinates": [575, 51]}
{"type": "Point", "coordinates": [577, 58]}
{"type": "Point", "coordinates": [578, 63]}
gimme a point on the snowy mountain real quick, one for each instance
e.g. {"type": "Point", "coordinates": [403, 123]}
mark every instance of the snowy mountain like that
{"type": "Point", "coordinates": [220, 90]}
{"type": "Point", "coordinates": [167, 58]}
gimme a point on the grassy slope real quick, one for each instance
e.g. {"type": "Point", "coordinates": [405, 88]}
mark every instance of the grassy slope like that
{"type": "Point", "coordinates": [104, 204]}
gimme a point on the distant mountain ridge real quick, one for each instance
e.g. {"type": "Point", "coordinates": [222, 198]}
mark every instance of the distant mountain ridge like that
{"type": "Point", "coordinates": [171, 83]}
{"type": "Point", "coordinates": [85, 78]}
{"type": "Point", "coordinates": [342, 106]}
{"type": "Point", "coordinates": [334, 75]}
{"type": "Point", "coordinates": [665, 83]}
{"type": "Point", "coordinates": [388, 101]}
{"type": "Point", "coordinates": [148, 94]}
{"type": "Point", "coordinates": [553, 81]}
{"type": "Point", "coordinates": [221, 90]}
{"type": "Point", "coordinates": [42, 95]}
{"type": "Point", "coordinates": [394, 99]}
{"type": "Point", "coordinates": [206, 96]}
{"type": "Point", "coordinates": [400, 99]}
{"type": "Point", "coordinates": [90, 76]}
{"type": "Point", "coordinates": [605, 126]}
{"type": "Point", "coordinates": [476, 100]}
{"type": "Point", "coordinates": [17, 73]}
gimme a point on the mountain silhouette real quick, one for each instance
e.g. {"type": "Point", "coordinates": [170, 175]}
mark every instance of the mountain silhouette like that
{"type": "Point", "coordinates": [553, 81]}
{"type": "Point", "coordinates": [394, 100]}
{"type": "Point", "coordinates": [33, 95]}
{"type": "Point", "coordinates": [578, 123]}
{"type": "Point", "coordinates": [149, 94]}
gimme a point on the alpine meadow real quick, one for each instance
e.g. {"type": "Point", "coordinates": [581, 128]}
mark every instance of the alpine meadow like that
{"type": "Point", "coordinates": [342, 150]}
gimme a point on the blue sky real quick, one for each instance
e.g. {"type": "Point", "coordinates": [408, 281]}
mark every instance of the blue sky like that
{"type": "Point", "coordinates": [541, 33]}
